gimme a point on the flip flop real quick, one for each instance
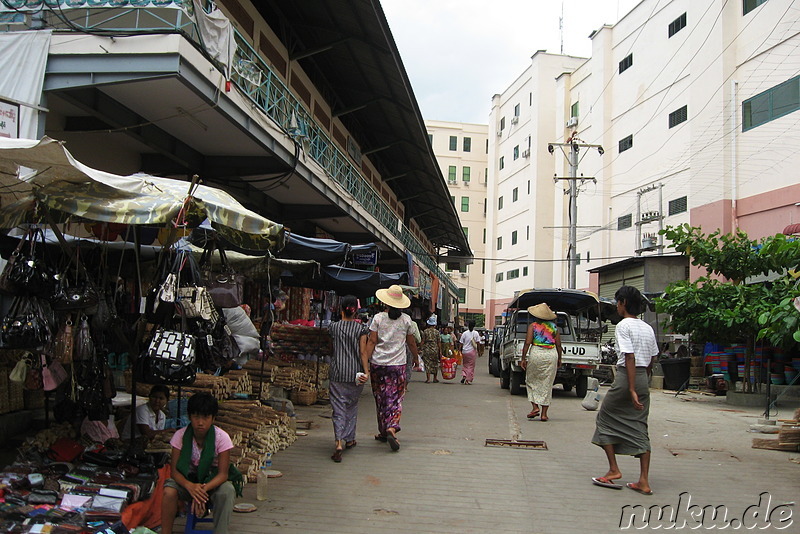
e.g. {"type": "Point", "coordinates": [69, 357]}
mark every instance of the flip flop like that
{"type": "Point", "coordinates": [337, 455]}
{"type": "Point", "coordinates": [534, 414]}
{"type": "Point", "coordinates": [350, 444]}
{"type": "Point", "coordinates": [637, 489]}
{"type": "Point", "coordinates": [380, 438]}
{"type": "Point", "coordinates": [393, 443]}
{"type": "Point", "coordinates": [606, 483]}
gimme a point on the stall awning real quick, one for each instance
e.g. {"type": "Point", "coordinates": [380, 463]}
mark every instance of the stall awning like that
{"type": "Point", "coordinates": [348, 281]}
{"type": "Point", "coordinates": [46, 172]}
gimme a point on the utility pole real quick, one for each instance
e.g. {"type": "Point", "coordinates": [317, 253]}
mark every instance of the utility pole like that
{"type": "Point", "coordinates": [571, 150]}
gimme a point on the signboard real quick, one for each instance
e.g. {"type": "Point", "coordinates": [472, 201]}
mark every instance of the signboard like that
{"type": "Point", "coordinates": [365, 258]}
{"type": "Point", "coordinates": [9, 119]}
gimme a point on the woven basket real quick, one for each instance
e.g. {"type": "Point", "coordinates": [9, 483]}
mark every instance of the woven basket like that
{"type": "Point", "coordinates": [304, 395]}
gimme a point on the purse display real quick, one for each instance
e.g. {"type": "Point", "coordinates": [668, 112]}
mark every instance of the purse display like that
{"type": "Point", "coordinates": [53, 374]}
{"type": "Point", "coordinates": [172, 346]}
{"type": "Point", "coordinates": [28, 273]}
{"type": "Point", "coordinates": [64, 342]}
{"type": "Point", "coordinates": [20, 370]}
{"type": "Point", "coordinates": [225, 286]}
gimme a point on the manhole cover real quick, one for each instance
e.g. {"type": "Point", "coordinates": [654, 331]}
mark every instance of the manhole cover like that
{"type": "Point", "coordinates": [516, 444]}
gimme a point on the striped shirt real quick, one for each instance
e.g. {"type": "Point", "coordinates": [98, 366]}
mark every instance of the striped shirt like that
{"type": "Point", "coordinates": [346, 360]}
{"type": "Point", "coordinates": [636, 337]}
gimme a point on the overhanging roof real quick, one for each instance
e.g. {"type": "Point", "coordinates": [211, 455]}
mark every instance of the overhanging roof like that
{"type": "Point", "coordinates": [347, 49]}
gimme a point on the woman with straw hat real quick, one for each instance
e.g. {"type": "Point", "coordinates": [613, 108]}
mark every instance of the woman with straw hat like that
{"type": "Point", "coordinates": [543, 362]}
{"type": "Point", "coordinates": [385, 359]}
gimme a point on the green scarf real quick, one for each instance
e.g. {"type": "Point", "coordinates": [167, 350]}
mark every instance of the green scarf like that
{"type": "Point", "coordinates": [205, 471]}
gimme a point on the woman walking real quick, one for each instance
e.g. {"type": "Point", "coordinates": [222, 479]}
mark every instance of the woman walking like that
{"type": "Point", "coordinates": [543, 361]}
{"type": "Point", "coordinates": [431, 350]}
{"type": "Point", "coordinates": [469, 352]}
{"type": "Point", "coordinates": [385, 355]}
{"type": "Point", "coordinates": [349, 343]}
{"type": "Point", "coordinates": [621, 426]}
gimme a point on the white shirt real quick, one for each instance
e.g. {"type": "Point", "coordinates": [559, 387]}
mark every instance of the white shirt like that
{"type": "Point", "coordinates": [145, 416]}
{"type": "Point", "coordinates": [469, 341]}
{"type": "Point", "coordinates": [637, 337]}
{"type": "Point", "coordinates": [391, 347]}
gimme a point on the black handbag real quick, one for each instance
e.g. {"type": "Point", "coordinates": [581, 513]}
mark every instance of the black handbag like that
{"type": "Point", "coordinates": [169, 357]}
{"type": "Point", "coordinates": [29, 273]}
{"type": "Point", "coordinates": [26, 325]}
{"type": "Point", "coordinates": [225, 285]}
{"type": "Point", "coordinates": [215, 344]}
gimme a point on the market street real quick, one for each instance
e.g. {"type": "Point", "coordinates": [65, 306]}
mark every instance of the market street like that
{"type": "Point", "coordinates": [445, 480]}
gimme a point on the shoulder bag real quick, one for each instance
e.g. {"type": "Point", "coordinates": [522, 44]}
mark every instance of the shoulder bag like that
{"type": "Point", "coordinates": [226, 287]}
{"type": "Point", "coordinates": [169, 358]}
{"type": "Point", "coordinates": [53, 374]}
{"type": "Point", "coordinates": [26, 325]}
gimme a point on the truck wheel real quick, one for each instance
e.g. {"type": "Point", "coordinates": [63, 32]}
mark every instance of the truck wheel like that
{"type": "Point", "coordinates": [494, 366]}
{"type": "Point", "coordinates": [505, 378]}
{"type": "Point", "coordinates": [581, 385]}
{"type": "Point", "coordinates": [567, 387]}
{"type": "Point", "coordinates": [517, 385]}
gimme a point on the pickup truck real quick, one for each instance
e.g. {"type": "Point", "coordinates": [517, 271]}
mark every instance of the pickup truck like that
{"type": "Point", "coordinates": [578, 319]}
{"type": "Point", "coordinates": [493, 348]}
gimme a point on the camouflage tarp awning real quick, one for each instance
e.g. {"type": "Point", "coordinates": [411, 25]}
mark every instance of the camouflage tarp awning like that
{"type": "Point", "coordinates": [45, 171]}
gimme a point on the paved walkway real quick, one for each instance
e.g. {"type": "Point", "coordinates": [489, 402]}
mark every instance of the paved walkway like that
{"type": "Point", "coordinates": [445, 480]}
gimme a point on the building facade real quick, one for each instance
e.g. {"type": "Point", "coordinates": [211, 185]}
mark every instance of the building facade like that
{"type": "Point", "coordinates": [461, 151]}
{"type": "Point", "coordinates": [698, 124]}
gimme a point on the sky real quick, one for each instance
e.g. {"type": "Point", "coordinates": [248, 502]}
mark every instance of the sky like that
{"type": "Point", "coordinates": [459, 53]}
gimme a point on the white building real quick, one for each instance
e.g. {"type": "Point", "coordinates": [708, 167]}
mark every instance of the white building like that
{"type": "Point", "coordinates": [695, 105]}
{"type": "Point", "coordinates": [461, 151]}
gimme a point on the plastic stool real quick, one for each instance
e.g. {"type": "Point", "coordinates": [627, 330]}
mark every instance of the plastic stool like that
{"type": "Point", "coordinates": [192, 521]}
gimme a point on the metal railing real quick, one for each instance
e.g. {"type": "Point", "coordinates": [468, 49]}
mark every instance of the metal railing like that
{"type": "Point", "coordinates": [249, 72]}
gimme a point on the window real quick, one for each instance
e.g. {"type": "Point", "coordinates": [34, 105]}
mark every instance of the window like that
{"type": "Point", "coordinates": [528, 233]}
{"type": "Point", "coordinates": [626, 63]}
{"type": "Point", "coordinates": [502, 123]}
{"type": "Point", "coordinates": [529, 187]}
{"type": "Point", "coordinates": [516, 110]}
{"type": "Point", "coordinates": [453, 142]}
{"type": "Point", "coordinates": [430, 139]}
{"type": "Point", "coordinates": [524, 271]}
{"type": "Point", "coordinates": [484, 235]}
{"type": "Point", "coordinates": [482, 296]}
{"type": "Point", "coordinates": [487, 146]}
{"type": "Point", "coordinates": [573, 110]}
{"type": "Point", "coordinates": [451, 174]}
{"type": "Point", "coordinates": [515, 194]}
{"type": "Point", "coordinates": [502, 162]}
{"type": "Point", "coordinates": [677, 25]}
{"type": "Point", "coordinates": [467, 144]}
{"type": "Point", "coordinates": [498, 277]}
{"type": "Point", "coordinates": [677, 206]}
{"type": "Point", "coordinates": [512, 274]}
{"type": "Point", "coordinates": [500, 203]}
{"type": "Point", "coordinates": [453, 199]}
{"type": "Point", "coordinates": [625, 144]}
{"type": "Point", "coordinates": [485, 206]}
{"type": "Point", "coordinates": [678, 116]}
{"type": "Point", "coordinates": [771, 104]}
{"type": "Point", "coordinates": [750, 5]}
{"type": "Point", "coordinates": [624, 222]}
{"type": "Point", "coordinates": [516, 152]}
{"type": "Point", "coordinates": [500, 243]}
{"type": "Point", "coordinates": [465, 230]}
{"type": "Point", "coordinates": [483, 265]}
{"type": "Point", "coordinates": [465, 204]}
{"type": "Point", "coordinates": [462, 268]}
{"type": "Point", "coordinates": [462, 295]}
{"type": "Point", "coordinates": [514, 237]}
{"type": "Point", "coordinates": [530, 99]}
{"type": "Point", "coordinates": [465, 174]}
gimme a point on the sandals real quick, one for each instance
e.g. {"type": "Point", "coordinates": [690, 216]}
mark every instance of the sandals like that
{"type": "Point", "coordinates": [350, 444]}
{"type": "Point", "coordinates": [380, 438]}
{"type": "Point", "coordinates": [337, 455]}
{"type": "Point", "coordinates": [533, 414]}
{"type": "Point", "coordinates": [393, 443]}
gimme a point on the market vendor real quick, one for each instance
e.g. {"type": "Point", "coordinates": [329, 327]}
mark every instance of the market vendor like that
{"type": "Point", "coordinates": [150, 417]}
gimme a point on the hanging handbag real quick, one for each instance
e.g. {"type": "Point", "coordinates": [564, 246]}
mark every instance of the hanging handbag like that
{"type": "Point", "coordinates": [33, 381]}
{"type": "Point", "coordinates": [30, 274]}
{"type": "Point", "coordinates": [53, 374]}
{"type": "Point", "coordinates": [20, 370]}
{"type": "Point", "coordinates": [226, 287]}
{"type": "Point", "coordinates": [64, 342]}
{"type": "Point", "coordinates": [193, 296]}
{"type": "Point", "coordinates": [169, 358]}
{"type": "Point", "coordinates": [74, 297]}
{"type": "Point", "coordinates": [84, 349]}
{"type": "Point", "coordinates": [176, 348]}
{"type": "Point", "coordinates": [25, 326]}
{"type": "Point", "coordinates": [7, 286]}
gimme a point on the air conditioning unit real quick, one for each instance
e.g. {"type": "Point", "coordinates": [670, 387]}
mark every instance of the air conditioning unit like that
{"type": "Point", "coordinates": [451, 182]}
{"type": "Point", "coordinates": [466, 183]}
{"type": "Point", "coordinates": [514, 120]}
{"type": "Point", "coordinates": [572, 122]}
{"type": "Point", "coordinates": [499, 133]}
{"type": "Point", "coordinates": [526, 153]}
{"type": "Point", "coordinates": [463, 275]}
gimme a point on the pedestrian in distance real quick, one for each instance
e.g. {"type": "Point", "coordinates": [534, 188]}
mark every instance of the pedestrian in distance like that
{"type": "Point", "coordinates": [410, 361]}
{"type": "Point", "coordinates": [347, 374]}
{"type": "Point", "coordinates": [542, 361]}
{"type": "Point", "coordinates": [385, 355]}
{"type": "Point", "coordinates": [431, 349]}
{"type": "Point", "coordinates": [447, 342]}
{"type": "Point", "coordinates": [621, 426]}
{"type": "Point", "coordinates": [469, 352]}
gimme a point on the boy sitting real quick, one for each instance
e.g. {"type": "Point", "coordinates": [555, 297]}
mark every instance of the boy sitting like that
{"type": "Point", "coordinates": [201, 467]}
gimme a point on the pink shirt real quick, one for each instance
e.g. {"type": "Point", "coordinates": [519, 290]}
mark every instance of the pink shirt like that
{"type": "Point", "coordinates": [223, 443]}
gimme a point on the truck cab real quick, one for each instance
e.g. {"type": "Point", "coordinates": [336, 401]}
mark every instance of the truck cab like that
{"type": "Point", "coordinates": [578, 319]}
